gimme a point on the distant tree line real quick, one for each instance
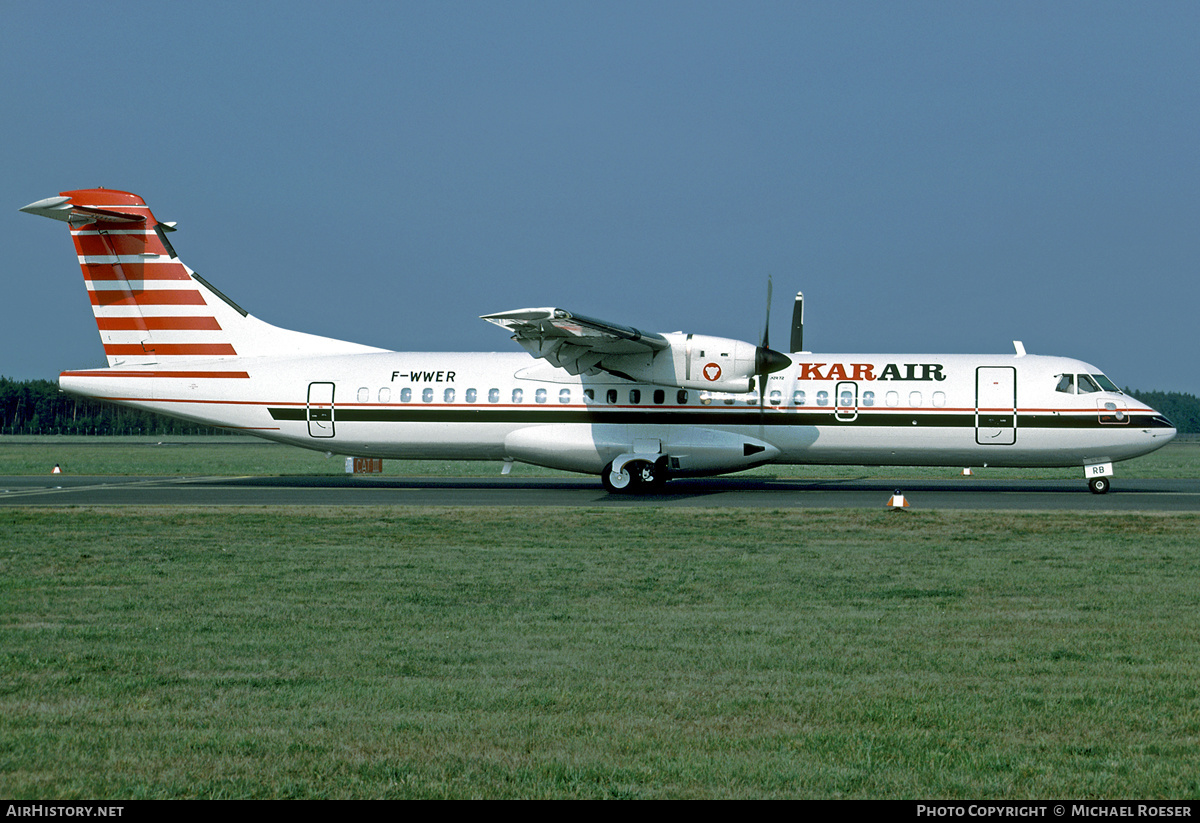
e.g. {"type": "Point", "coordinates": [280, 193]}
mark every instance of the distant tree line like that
{"type": "Point", "coordinates": [38, 407]}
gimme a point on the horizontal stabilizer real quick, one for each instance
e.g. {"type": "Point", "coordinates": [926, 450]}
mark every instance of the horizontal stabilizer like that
{"type": "Point", "coordinates": [61, 208]}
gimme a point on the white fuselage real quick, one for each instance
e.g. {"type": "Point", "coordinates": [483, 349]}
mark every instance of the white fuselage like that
{"type": "Point", "coordinates": [955, 410]}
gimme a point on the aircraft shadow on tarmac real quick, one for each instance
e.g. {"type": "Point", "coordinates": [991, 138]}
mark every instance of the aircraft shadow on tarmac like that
{"type": "Point", "coordinates": [679, 487]}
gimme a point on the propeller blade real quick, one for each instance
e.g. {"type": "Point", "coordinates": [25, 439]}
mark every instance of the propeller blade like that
{"type": "Point", "coordinates": [798, 323]}
{"type": "Point", "coordinates": [766, 335]}
{"type": "Point", "coordinates": [766, 359]}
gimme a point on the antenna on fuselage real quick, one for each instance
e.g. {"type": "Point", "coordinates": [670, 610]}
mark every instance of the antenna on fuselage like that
{"type": "Point", "coordinates": [798, 323]}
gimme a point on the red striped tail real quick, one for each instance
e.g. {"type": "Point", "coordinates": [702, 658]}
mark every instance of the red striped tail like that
{"type": "Point", "coordinates": [149, 307]}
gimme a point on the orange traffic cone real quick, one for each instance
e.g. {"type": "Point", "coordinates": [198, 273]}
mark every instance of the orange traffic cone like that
{"type": "Point", "coordinates": [897, 502]}
{"type": "Point", "coordinates": [967, 472]}
{"type": "Point", "coordinates": [57, 470]}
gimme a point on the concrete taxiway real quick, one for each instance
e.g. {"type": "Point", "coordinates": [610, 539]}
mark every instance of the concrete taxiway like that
{"type": "Point", "coordinates": [1168, 495]}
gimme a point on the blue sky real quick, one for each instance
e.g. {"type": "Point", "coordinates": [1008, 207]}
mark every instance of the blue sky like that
{"type": "Point", "coordinates": [936, 177]}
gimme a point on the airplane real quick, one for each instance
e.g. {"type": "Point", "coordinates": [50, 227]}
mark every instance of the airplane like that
{"type": "Point", "coordinates": [636, 408]}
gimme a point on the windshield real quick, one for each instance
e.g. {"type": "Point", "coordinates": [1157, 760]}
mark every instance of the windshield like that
{"type": "Point", "coordinates": [1084, 384]}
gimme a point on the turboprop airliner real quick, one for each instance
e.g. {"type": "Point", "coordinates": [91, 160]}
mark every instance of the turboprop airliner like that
{"type": "Point", "coordinates": [636, 408]}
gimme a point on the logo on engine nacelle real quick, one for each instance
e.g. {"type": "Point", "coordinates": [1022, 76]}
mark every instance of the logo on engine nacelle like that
{"type": "Point", "coordinates": [712, 371]}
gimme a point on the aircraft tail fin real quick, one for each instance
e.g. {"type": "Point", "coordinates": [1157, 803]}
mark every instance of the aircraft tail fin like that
{"type": "Point", "coordinates": [150, 308]}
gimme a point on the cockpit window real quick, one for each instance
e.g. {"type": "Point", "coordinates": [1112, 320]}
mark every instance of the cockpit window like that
{"type": "Point", "coordinates": [1087, 383]}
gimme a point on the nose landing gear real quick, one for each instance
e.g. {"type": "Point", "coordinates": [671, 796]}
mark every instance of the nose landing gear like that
{"type": "Point", "coordinates": [1099, 476]}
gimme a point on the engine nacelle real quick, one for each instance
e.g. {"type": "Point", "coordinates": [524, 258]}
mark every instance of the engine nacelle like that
{"type": "Point", "coordinates": [702, 362]}
{"type": "Point", "coordinates": [689, 450]}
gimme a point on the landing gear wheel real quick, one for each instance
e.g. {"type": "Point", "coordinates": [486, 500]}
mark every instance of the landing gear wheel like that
{"type": "Point", "coordinates": [1098, 485]}
{"type": "Point", "coordinates": [649, 477]}
{"type": "Point", "coordinates": [616, 483]}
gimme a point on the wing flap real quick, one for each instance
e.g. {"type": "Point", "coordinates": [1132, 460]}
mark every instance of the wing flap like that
{"type": "Point", "coordinates": [573, 342]}
{"type": "Point", "coordinates": [596, 335]}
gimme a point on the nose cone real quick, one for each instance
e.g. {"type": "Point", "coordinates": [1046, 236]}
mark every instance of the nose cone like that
{"type": "Point", "coordinates": [1167, 431]}
{"type": "Point", "coordinates": [1160, 430]}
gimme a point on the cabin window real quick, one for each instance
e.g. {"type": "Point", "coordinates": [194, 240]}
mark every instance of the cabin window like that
{"type": "Point", "coordinates": [493, 395]}
{"type": "Point", "coordinates": [610, 396]}
{"type": "Point", "coordinates": [681, 397]}
{"type": "Point", "coordinates": [471, 395]}
{"type": "Point", "coordinates": [427, 396]}
{"type": "Point", "coordinates": [868, 398]}
{"type": "Point", "coordinates": [1066, 384]}
{"type": "Point", "coordinates": [518, 396]}
{"type": "Point", "coordinates": [939, 398]}
{"type": "Point", "coordinates": [892, 398]}
{"type": "Point", "coordinates": [752, 399]}
{"type": "Point", "coordinates": [364, 395]}
{"type": "Point", "coordinates": [776, 397]}
{"type": "Point", "coordinates": [448, 396]}
{"type": "Point", "coordinates": [564, 396]}
{"type": "Point", "coordinates": [915, 399]}
{"type": "Point", "coordinates": [385, 395]}
{"type": "Point", "coordinates": [660, 396]}
{"type": "Point", "coordinates": [798, 398]}
{"type": "Point", "coordinates": [822, 398]}
{"type": "Point", "coordinates": [846, 399]}
{"type": "Point", "coordinates": [589, 395]}
{"type": "Point", "coordinates": [406, 395]}
{"type": "Point", "coordinates": [540, 395]}
{"type": "Point", "coordinates": [705, 398]}
{"type": "Point", "coordinates": [728, 399]}
{"type": "Point", "coordinates": [635, 396]}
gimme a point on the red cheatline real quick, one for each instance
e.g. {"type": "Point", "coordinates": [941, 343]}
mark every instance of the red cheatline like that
{"type": "Point", "coordinates": [190, 375]}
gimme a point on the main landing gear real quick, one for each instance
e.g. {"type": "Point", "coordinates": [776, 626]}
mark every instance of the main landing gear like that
{"type": "Point", "coordinates": [635, 477]}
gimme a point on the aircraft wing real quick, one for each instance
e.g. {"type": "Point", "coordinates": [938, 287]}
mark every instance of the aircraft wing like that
{"type": "Point", "coordinates": [578, 344]}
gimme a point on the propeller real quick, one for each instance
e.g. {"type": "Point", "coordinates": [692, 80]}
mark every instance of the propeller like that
{"type": "Point", "coordinates": [766, 359]}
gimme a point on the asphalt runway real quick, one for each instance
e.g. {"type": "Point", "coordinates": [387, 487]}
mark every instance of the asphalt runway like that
{"type": "Point", "coordinates": [757, 492]}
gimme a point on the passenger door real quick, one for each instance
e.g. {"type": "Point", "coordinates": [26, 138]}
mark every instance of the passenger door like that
{"type": "Point", "coordinates": [996, 405]}
{"type": "Point", "coordinates": [320, 409]}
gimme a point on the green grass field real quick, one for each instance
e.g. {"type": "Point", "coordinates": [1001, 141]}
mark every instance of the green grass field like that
{"type": "Point", "coordinates": [566, 653]}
